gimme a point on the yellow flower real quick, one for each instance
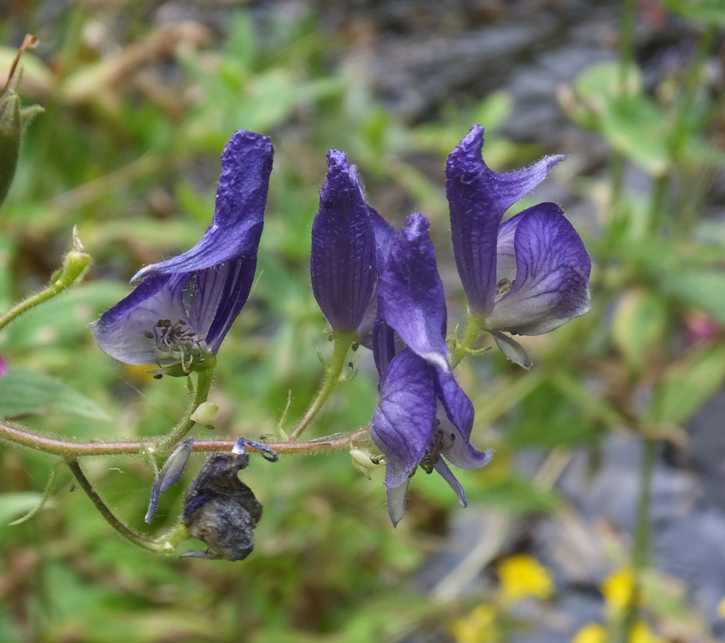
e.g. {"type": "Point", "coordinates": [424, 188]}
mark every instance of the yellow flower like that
{"type": "Point", "coordinates": [721, 608]}
{"type": "Point", "coordinates": [591, 633]}
{"type": "Point", "coordinates": [617, 589]}
{"type": "Point", "coordinates": [477, 627]}
{"type": "Point", "coordinates": [522, 576]}
{"type": "Point", "coordinates": [642, 634]}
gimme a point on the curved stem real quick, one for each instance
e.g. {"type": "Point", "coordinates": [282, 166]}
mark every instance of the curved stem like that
{"type": "Point", "coordinates": [341, 345]}
{"type": "Point", "coordinates": [71, 449]}
{"type": "Point", "coordinates": [474, 326]}
{"type": "Point", "coordinates": [74, 265]}
{"type": "Point", "coordinates": [124, 530]}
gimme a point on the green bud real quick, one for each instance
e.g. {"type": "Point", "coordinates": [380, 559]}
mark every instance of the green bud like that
{"type": "Point", "coordinates": [206, 414]}
{"type": "Point", "coordinates": [10, 131]}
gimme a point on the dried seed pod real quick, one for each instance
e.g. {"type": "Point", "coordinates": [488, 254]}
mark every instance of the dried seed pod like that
{"type": "Point", "coordinates": [220, 510]}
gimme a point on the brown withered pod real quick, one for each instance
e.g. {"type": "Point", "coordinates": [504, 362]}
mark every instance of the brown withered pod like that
{"type": "Point", "coordinates": [222, 511]}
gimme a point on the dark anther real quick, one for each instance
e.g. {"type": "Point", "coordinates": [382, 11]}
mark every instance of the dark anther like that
{"type": "Point", "coordinates": [158, 376]}
{"type": "Point", "coordinates": [355, 345]}
{"type": "Point", "coordinates": [437, 445]}
{"type": "Point", "coordinates": [148, 335]}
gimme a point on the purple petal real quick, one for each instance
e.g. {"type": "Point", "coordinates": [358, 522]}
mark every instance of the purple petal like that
{"type": "Point", "coordinates": [551, 285]}
{"type": "Point", "coordinates": [410, 293]}
{"type": "Point", "coordinates": [383, 345]}
{"type": "Point", "coordinates": [444, 470]}
{"type": "Point", "coordinates": [219, 294]}
{"type": "Point", "coordinates": [343, 247]}
{"type": "Point", "coordinates": [402, 425]}
{"type": "Point", "coordinates": [384, 234]}
{"type": "Point", "coordinates": [396, 498]}
{"type": "Point", "coordinates": [123, 331]}
{"type": "Point", "coordinates": [169, 474]}
{"type": "Point", "coordinates": [457, 424]}
{"type": "Point", "coordinates": [239, 214]}
{"type": "Point", "coordinates": [478, 198]}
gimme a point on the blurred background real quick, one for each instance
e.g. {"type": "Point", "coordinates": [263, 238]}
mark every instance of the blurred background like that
{"type": "Point", "coordinates": [604, 509]}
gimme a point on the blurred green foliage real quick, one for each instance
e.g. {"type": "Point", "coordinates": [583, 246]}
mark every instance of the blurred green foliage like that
{"type": "Point", "coordinates": [127, 151]}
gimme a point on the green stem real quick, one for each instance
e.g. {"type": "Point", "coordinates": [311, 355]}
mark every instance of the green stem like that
{"type": "Point", "coordinates": [640, 549]}
{"type": "Point", "coordinates": [74, 265]}
{"type": "Point", "coordinates": [474, 326]}
{"type": "Point", "coordinates": [204, 380]}
{"type": "Point", "coordinates": [129, 534]}
{"type": "Point", "coordinates": [341, 345]}
{"type": "Point", "coordinates": [656, 218]}
{"type": "Point", "coordinates": [69, 449]}
{"type": "Point", "coordinates": [626, 42]}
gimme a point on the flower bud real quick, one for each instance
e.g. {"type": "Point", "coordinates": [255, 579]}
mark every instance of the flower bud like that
{"type": "Point", "coordinates": [10, 131]}
{"type": "Point", "coordinates": [169, 474]}
{"type": "Point", "coordinates": [206, 414]}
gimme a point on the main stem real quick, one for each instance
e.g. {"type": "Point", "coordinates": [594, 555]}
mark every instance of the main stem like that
{"type": "Point", "coordinates": [69, 449]}
{"type": "Point", "coordinates": [341, 345]}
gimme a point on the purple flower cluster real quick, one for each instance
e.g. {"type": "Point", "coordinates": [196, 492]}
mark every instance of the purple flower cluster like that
{"type": "Point", "coordinates": [525, 276]}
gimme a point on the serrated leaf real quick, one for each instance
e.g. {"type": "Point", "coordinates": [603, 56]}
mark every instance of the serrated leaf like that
{"type": "Point", "coordinates": [29, 393]}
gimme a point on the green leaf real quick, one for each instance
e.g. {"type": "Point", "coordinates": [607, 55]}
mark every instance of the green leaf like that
{"type": "Point", "coordinates": [17, 504]}
{"type": "Point", "coordinates": [708, 11]}
{"type": "Point", "coordinates": [639, 325]}
{"type": "Point", "coordinates": [687, 385]}
{"type": "Point", "coordinates": [700, 289]}
{"type": "Point", "coordinates": [26, 392]}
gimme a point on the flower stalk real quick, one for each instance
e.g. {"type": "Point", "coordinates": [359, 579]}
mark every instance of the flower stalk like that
{"type": "Point", "coordinates": [341, 345]}
{"type": "Point", "coordinates": [74, 266]}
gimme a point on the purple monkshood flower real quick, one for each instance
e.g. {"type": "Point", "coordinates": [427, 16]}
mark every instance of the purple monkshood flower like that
{"type": "Point", "coordinates": [184, 306]}
{"type": "Point", "coordinates": [423, 415]}
{"type": "Point", "coordinates": [526, 276]}
{"type": "Point", "coordinates": [342, 264]}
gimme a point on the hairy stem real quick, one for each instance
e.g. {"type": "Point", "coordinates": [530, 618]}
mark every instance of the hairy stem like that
{"type": "Point", "coordinates": [341, 345]}
{"type": "Point", "coordinates": [74, 266]}
{"type": "Point", "coordinates": [72, 449]}
{"type": "Point", "coordinates": [474, 326]}
{"type": "Point", "coordinates": [129, 534]}
{"type": "Point", "coordinates": [203, 385]}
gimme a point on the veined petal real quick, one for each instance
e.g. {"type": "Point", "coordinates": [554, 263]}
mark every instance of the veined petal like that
{"type": "Point", "coordinates": [384, 234]}
{"type": "Point", "coordinates": [552, 274]}
{"type": "Point", "coordinates": [239, 214]}
{"type": "Point", "coordinates": [127, 333]}
{"type": "Point", "coordinates": [457, 425]}
{"type": "Point", "coordinates": [478, 198]}
{"type": "Point", "coordinates": [402, 425]}
{"type": "Point", "coordinates": [219, 294]}
{"type": "Point", "coordinates": [410, 293]}
{"type": "Point", "coordinates": [343, 247]}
